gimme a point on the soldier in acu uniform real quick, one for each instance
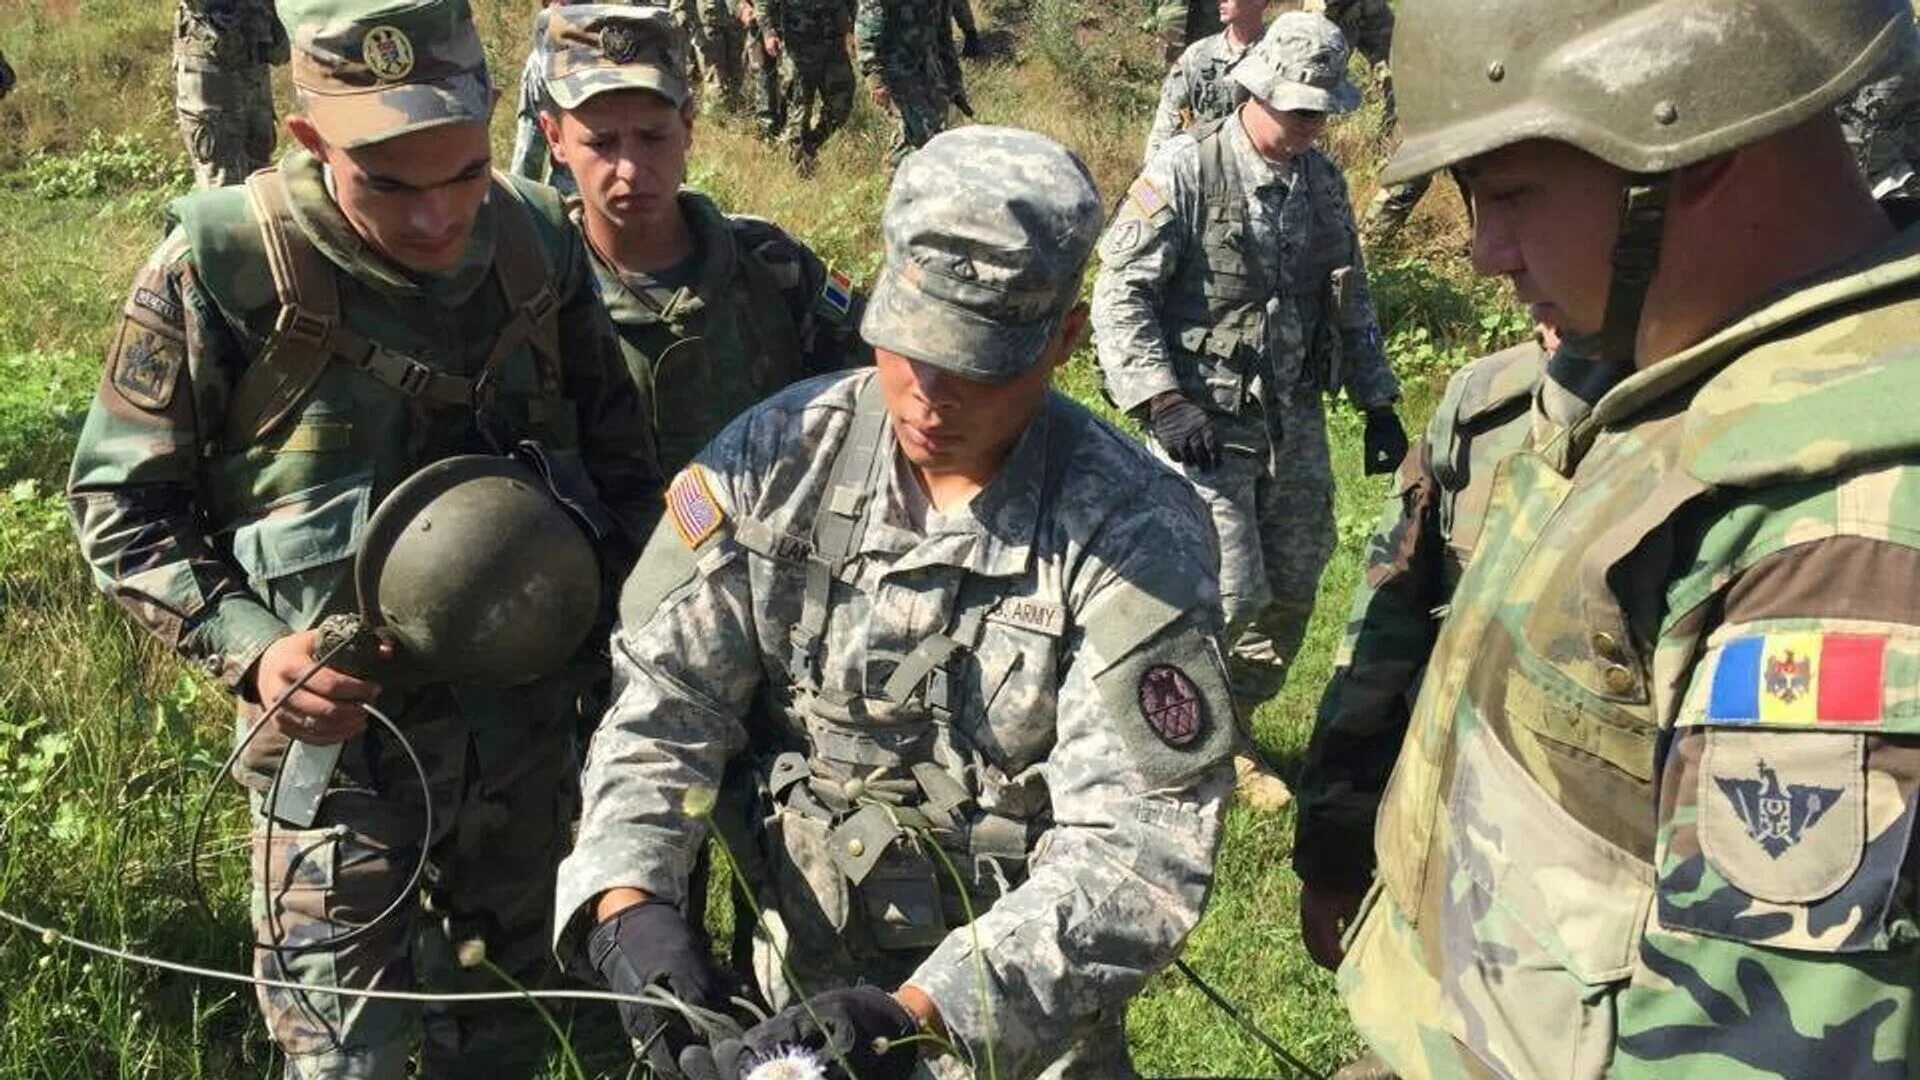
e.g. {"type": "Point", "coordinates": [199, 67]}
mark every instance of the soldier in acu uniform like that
{"type": "Point", "coordinates": [1654, 815]}
{"type": "Point", "coordinates": [714, 312]}
{"type": "Point", "coordinates": [294, 351]}
{"type": "Point", "coordinates": [1231, 299]}
{"type": "Point", "coordinates": [1197, 90]}
{"type": "Point", "coordinates": [992, 674]}
{"type": "Point", "coordinates": [223, 90]}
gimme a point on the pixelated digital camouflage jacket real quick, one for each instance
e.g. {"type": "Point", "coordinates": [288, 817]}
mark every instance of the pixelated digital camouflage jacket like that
{"type": "Point", "coordinates": [765, 312]}
{"type": "Point", "coordinates": [1218, 278]}
{"type": "Point", "coordinates": [1087, 721]}
{"type": "Point", "coordinates": [219, 547]}
{"type": "Point", "coordinates": [1655, 809]}
{"type": "Point", "coordinates": [1426, 534]}
{"type": "Point", "coordinates": [1197, 90]}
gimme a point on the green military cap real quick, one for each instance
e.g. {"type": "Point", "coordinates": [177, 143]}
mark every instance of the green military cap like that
{"type": "Point", "coordinates": [987, 233]}
{"type": "Point", "coordinates": [369, 70]}
{"type": "Point", "coordinates": [588, 49]}
{"type": "Point", "coordinates": [1300, 63]}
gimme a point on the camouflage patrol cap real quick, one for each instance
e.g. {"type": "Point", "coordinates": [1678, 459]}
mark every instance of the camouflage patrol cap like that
{"type": "Point", "coordinates": [987, 233]}
{"type": "Point", "coordinates": [1300, 63]}
{"type": "Point", "coordinates": [369, 70]}
{"type": "Point", "coordinates": [588, 49]}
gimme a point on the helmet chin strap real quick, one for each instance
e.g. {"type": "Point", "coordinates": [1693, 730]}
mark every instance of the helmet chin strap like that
{"type": "Point", "coordinates": [1636, 256]}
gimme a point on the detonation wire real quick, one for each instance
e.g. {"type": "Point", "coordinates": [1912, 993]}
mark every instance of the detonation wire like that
{"type": "Point", "coordinates": [401, 896]}
{"type": "Point", "coordinates": [1281, 1053]}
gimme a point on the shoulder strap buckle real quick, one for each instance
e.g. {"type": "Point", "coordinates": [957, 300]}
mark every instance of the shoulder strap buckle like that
{"type": "Point", "coordinates": [295, 323]}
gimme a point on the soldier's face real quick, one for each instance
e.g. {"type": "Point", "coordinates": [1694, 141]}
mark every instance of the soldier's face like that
{"type": "Point", "coordinates": [1545, 216]}
{"type": "Point", "coordinates": [950, 426]}
{"type": "Point", "coordinates": [628, 152]}
{"type": "Point", "coordinates": [1280, 134]}
{"type": "Point", "coordinates": [1235, 10]}
{"type": "Point", "coordinates": [414, 197]}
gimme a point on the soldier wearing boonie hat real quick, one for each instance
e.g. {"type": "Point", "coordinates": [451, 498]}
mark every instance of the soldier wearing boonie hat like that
{"type": "Point", "coordinates": [714, 311]}
{"type": "Point", "coordinates": [1222, 327]}
{"type": "Point", "coordinates": [299, 347]}
{"type": "Point", "coordinates": [963, 592]}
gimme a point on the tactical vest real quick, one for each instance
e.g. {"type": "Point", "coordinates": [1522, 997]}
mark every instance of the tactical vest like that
{"type": "Point", "coordinates": [351, 390]}
{"type": "Point", "coordinates": [879, 775]}
{"type": "Point", "coordinates": [1520, 822]}
{"type": "Point", "coordinates": [1212, 91]}
{"type": "Point", "coordinates": [1481, 419]}
{"type": "Point", "coordinates": [715, 348]}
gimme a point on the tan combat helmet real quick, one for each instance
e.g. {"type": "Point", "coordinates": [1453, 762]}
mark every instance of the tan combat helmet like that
{"type": "Point", "coordinates": [1648, 85]}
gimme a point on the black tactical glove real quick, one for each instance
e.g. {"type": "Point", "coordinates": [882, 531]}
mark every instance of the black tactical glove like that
{"type": "Point", "coordinates": [1386, 440]}
{"type": "Point", "coordinates": [970, 46]}
{"type": "Point", "coordinates": [650, 943]}
{"type": "Point", "coordinates": [1184, 430]}
{"type": "Point", "coordinates": [856, 1034]}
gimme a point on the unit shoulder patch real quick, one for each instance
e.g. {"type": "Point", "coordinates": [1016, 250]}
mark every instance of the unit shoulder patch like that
{"type": "Point", "coordinates": [146, 365]}
{"type": "Point", "coordinates": [1172, 705]}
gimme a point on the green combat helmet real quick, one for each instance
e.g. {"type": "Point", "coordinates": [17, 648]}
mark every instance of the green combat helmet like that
{"type": "Point", "coordinates": [1649, 86]}
{"type": "Point", "coordinates": [478, 576]}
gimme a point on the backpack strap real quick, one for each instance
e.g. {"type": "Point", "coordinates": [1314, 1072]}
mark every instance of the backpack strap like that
{"type": "Point", "coordinates": [837, 528]}
{"type": "Point", "coordinates": [308, 332]}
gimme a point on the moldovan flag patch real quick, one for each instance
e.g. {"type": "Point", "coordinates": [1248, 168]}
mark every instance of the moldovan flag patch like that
{"type": "Point", "coordinates": [696, 514]}
{"type": "Point", "coordinates": [837, 293]}
{"type": "Point", "coordinates": [1793, 679]}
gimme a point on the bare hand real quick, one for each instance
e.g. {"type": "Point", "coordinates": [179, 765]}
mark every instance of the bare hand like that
{"type": "Point", "coordinates": [878, 92]}
{"type": "Point", "coordinates": [1325, 913]}
{"type": "Point", "coordinates": [744, 12]}
{"type": "Point", "coordinates": [772, 44]}
{"type": "Point", "coordinates": [327, 709]}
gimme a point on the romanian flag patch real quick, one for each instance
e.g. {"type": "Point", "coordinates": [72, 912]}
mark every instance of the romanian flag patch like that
{"type": "Point", "coordinates": [1799, 679]}
{"type": "Point", "coordinates": [695, 513]}
{"type": "Point", "coordinates": [836, 295]}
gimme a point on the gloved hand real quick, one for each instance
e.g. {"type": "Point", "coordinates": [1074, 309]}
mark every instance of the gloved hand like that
{"type": "Point", "coordinates": [860, 1033]}
{"type": "Point", "coordinates": [1386, 440]}
{"type": "Point", "coordinates": [1184, 430]}
{"type": "Point", "coordinates": [650, 943]}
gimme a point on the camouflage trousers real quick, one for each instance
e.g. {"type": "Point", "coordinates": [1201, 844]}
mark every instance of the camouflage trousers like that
{"type": "Point", "coordinates": [818, 95]}
{"type": "Point", "coordinates": [501, 822]}
{"type": "Point", "coordinates": [921, 113]}
{"type": "Point", "coordinates": [1271, 498]}
{"type": "Point", "coordinates": [720, 43]}
{"type": "Point", "coordinates": [1391, 207]}
{"type": "Point", "coordinates": [223, 95]}
{"type": "Point", "coordinates": [963, 18]}
{"type": "Point", "coordinates": [769, 101]}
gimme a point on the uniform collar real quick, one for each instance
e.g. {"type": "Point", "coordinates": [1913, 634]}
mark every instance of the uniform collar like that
{"type": "Point", "coordinates": [636, 299]}
{"type": "Point", "coordinates": [320, 220]}
{"type": "Point", "coordinates": [993, 534]}
{"type": "Point", "coordinates": [1255, 165]}
{"type": "Point", "coordinates": [1893, 264]}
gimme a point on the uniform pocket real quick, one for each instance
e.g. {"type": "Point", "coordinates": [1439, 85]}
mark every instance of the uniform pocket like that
{"type": "Point", "coordinates": [298, 553]}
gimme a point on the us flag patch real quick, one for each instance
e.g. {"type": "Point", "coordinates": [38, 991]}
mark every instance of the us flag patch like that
{"type": "Point", "coordinates": [695, 513]}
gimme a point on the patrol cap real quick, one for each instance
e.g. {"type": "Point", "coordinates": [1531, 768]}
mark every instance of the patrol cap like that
{"type": "Point", "coordinates": [588, 49]}
{"type": "Point", "coordinates": [987, 232]}
{"type": "Point", "coordinates": [1300, 63]}
{"type": "Point", "coordinates": [369, 70]}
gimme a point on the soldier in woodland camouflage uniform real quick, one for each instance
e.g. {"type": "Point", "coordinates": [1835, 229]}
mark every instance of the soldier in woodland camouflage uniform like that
{"type": "Point", "coordinates": [223, 92]}
{"type": "Point", "coordinates": [969, 638]}
{"type": "Point", "coordinates": [714, 312]}
{"type": "Point", "coordinates": [529, 156]}
{"type": "Point", "coordinates": [899, 45]}
{"type": "Point", "coordinates": [293, 351]}
{"type": "Point", "coordinates": [719, 39]}
{"type": "Point", "coordinates": [1654, 814]}
{"type": "Point", "coordinates": [969, 28]}
{"type": "Point", "coordinates": [1231, 299]}
{"type": "Point", "coordinates": [1435, 511]}
{"type": "Point", "coordinates": [810, 38]}
{"type": "Point", "coordinates": [1177, 22]}
{"type": "Point", "coordinates": [1197, 90]}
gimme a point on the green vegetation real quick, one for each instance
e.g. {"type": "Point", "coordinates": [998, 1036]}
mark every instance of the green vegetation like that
{"type": "Point", "coordinates": [107, 744]}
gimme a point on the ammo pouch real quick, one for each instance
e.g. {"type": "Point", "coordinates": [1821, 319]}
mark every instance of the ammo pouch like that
{"type": "Point", "coordinates": [911, 855]}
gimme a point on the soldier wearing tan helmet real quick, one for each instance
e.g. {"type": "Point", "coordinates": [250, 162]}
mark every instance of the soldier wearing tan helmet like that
{"type": "Point", "coordinates": [1655, 809]}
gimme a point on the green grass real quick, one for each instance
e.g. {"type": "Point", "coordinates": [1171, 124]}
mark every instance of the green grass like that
{"type": "Point", "coordinates": [107, 744]}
